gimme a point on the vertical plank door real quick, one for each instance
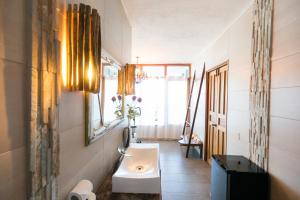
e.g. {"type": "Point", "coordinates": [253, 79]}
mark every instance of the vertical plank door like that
{"type": "Point", "coordinates": [216, 135]}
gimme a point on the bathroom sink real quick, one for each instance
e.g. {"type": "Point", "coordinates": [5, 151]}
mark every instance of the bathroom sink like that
{"type": "Point", "coordinates": [139, 172]}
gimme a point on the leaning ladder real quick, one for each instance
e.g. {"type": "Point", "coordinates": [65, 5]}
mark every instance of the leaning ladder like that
{"type": "Point", "coordinates": [187, 123]}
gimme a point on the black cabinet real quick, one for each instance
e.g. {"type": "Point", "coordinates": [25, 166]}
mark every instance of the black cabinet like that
{"type": "Point", "coordinates": [237, 178]}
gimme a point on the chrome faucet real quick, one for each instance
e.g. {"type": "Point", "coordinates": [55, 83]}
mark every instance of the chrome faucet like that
{"type": "Point", "coordinates": [122, 151]}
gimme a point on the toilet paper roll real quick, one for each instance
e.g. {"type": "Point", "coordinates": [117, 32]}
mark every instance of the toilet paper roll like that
{"type": "Point", "coordinates": [92, 196]}
{"type": "Point", "coordinates": [81, 191]}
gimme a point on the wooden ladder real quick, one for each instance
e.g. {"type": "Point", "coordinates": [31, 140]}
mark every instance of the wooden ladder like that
{"type": "Point", "coordinates": [187, 141]}
{"type": "Point", "coordinates": [187, 122]}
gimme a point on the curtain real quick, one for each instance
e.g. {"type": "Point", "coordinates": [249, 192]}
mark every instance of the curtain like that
{"type": "Point", "coordinates": [163, 106]}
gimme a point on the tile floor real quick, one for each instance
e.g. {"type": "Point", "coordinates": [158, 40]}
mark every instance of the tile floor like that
{"type": "Point", "coordinates": [183, 179]}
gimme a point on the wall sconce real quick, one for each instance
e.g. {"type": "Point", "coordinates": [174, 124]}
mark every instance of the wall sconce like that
{"type": "Point", "coordinates": [130, 79]}
{"type": "Point", "coordinates": [82, 68]}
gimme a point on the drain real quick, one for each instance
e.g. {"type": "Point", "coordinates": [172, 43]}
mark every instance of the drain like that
{"type": "Point", "coordinates": [139, 168]}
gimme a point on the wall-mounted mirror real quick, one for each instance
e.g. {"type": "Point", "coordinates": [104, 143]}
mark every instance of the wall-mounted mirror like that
{"type": "Point", "coordinates": [104, 110]}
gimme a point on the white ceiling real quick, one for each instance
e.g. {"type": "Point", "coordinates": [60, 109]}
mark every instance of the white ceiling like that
{"type": "Point", "coordinates": [175, 31]}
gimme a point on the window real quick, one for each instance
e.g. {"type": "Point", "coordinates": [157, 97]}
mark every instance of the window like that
{"type": "Point", "coordinates": [176, 101]}
{"type": "Point", "coordinates": [178, 72]}
{"type": "Point", "coordinates": [110, 84]}
{"type": "Point", "coordinates": [164, 91]}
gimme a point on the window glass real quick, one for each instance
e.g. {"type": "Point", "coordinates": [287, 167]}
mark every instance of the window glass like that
{"type": "Point", "coordinates": [152, 106]}
{"type": "Point", "coordinates": [177, 101]}
{"type": "Point", "coordinates": [177, 72]}
{"type": "Point", "coordinates": [110, 82]}
{"type": "Point", "coordinates": [110, 71]}
{"type": "Point", "coordinates": [154, 71]}
{"type": "Point", "coordinates": [164, 101]}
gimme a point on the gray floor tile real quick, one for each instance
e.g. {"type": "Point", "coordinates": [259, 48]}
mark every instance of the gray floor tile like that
{"type": "Point", "coordinates": [182, 179]}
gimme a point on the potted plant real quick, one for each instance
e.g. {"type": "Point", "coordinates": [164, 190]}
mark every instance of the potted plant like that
{"type": "Point", "coordinates": [118, 104]}
{"type": "Point", "coordinates": [134, 110]}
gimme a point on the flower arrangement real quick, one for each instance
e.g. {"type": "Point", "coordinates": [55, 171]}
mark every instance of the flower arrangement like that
{"type": "Point", "coordinates": [133, 109]}
{"type": "Point", "coordinates": [118, 104]}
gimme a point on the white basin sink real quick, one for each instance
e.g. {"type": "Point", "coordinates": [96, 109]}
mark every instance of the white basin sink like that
{"type": "Point", "coordinates": [139, 172]}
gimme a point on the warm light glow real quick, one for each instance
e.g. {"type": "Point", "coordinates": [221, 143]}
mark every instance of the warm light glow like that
{"type": "Point", "coordinates": [64, 55]}
{"type": "Point", "coordinates": [79, 69]}
{"type": "Point", "coordinates": [139, 70]}
{"type": "Point", "coordinates": [90, 73]}
{"type": "Point", "coordinates": [77, 74]}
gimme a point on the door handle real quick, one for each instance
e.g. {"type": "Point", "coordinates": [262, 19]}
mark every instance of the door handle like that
{"type": "Point", "coordinates": [214, 125]}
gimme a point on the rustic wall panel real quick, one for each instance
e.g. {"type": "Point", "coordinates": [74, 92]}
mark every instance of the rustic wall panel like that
{"type": "Point", "coordinates": [43, 62]}
{"type": "Point", "coordinates": [260, 82]}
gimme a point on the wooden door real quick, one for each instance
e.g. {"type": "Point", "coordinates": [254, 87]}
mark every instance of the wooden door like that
{"type": "Point", "coordinates": [216, 134]}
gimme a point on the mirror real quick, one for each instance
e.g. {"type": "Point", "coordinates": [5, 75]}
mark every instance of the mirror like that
{"type": "Point", "coordinates": [104, 110]}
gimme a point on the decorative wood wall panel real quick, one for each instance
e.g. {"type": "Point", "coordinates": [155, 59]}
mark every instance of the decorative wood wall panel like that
{"type": "Point", "coordinates": [260, 82]}
{"type": "Point", "coordinates": [43, 63]}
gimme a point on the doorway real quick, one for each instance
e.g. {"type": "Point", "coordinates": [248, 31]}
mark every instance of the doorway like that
{"type": "Point", "coordinates": [216, 111]}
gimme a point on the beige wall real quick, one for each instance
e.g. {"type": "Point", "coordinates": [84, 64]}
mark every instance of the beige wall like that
{"type": "Point", "coordinates": [12, 100]}
{"type": "Point", "coordinates": [77, 161]}
{"type": "Point", "coordinates": [235, 45]}
{"type": "Point", "coordinates": [95, 161]}
{"type": "Point", "coordinates": [285, 102]}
